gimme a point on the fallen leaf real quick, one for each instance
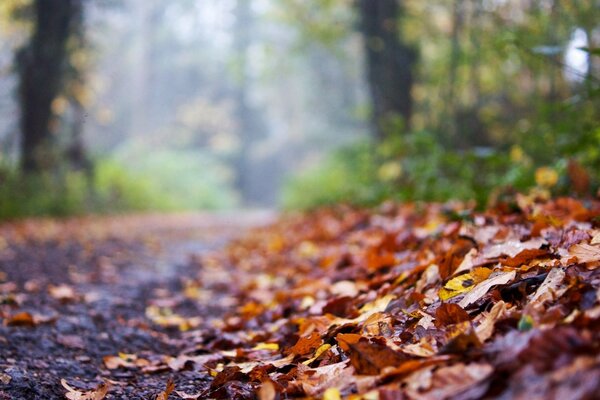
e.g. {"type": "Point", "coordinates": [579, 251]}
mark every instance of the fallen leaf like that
{"type": "Point", "coordinates": [187, 396]}
{"type": "Point", "coordinates": [314, 381]}
{"type": "Point", "coordinates": [449, 314]}
{"type": "Point", "coordinates": [63, 293]}
{"type": "Point", "coordinates": [5, 378]}
{"type": "Point", "coordinates": [463, 283]}
{"type": "Point", "coordinates": [549, 289]}
{"type": "Point", "coordinates": [369, 357]}
{"type": "Point", "coordinates": [424, 348]}
{"type": "Point", "coordinates": [164, 395]}
{"type": "Point", "coordinates": [467, 262]}
{"type": "Point", "coordinates": [20, 319]}
{"type": "Point", "coordinates": [97, 394]}
{"type": "Point", "coordinates": [511, 248]}
{"type": "Point", "coordinates": [346, 339]}
{"type": "Point", "coordinates": [124, 361]}
{"type": "Point", "coordinates": [332, 394]}
{"type": "Point", "coordinates": [499, 278]}
{"type": "Point", "coordinates": [306, 345]}
{"type": "Point", "coordinates": [487, 321]}
{"type": "Point", "coordinates": [266, 346]}
{"type": "Point", "coordinates": [524, 257]}
{"type": "Point", "coordinates": [267, 391]}
{"type": "Point", "coordinates": [449, 382]}
{"type": "Point", "coordinates": [585, 253]}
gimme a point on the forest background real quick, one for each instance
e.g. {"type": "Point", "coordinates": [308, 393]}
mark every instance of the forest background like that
{"type": "Point", "coordinates": [119, 105]}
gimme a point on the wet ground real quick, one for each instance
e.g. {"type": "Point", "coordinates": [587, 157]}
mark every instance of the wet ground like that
{"type": "Point", "coordinates": [80, 298]}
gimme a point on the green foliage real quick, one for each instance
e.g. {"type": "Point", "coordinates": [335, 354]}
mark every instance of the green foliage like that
{"type": "Point", "coordinates": [165, 182]}
{"type": "Point", "coordinates": [188, 179]}
{"type": "Point", "coordinates": [417, 166]}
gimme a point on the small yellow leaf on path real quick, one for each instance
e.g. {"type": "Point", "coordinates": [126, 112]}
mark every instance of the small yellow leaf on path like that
{"type": "Point", "coordinates": [332, 394]}
{"type": "Point", "coordinates": [266, 346]}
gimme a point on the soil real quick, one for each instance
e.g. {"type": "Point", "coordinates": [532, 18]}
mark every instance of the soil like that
{"type": "Point", "coordinates": [90, 285]}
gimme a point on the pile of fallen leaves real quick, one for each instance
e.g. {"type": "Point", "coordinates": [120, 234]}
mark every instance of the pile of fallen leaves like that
{"type": "Point", "coordinates": [411, 301]}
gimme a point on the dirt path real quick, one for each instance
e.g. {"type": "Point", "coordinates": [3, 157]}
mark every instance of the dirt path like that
{"type": "Point", "coordinates": [79, 298]}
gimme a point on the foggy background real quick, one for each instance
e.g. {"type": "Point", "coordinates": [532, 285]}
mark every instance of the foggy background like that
{"type": "Point", "coordinates": [217, 103]}
{"type": "Point", "coordinates": [216, 100]}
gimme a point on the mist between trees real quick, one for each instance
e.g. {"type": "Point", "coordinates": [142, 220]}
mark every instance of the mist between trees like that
{"type": "Point", "coordinates": [109, 105]}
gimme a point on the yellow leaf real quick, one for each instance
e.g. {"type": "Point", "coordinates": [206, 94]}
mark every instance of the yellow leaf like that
{"type": "Point", "coordinates": [546, 177]}
{"type": "Point", "coordinates": [332, 394]}
{"type": "Point", "coordinates": [266, 346]}
{"type": "Point", "coordinates": [463, 283]}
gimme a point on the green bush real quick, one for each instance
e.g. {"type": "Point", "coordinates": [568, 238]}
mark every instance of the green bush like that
{"type": "Point", "coordinates": [164, 181]}
{"type": "Point", "coordinates": [42, 194]}
{"type": "Point", "coordinates": [184, 179]}
{"type": "Point", "coordinates": [416, 166]}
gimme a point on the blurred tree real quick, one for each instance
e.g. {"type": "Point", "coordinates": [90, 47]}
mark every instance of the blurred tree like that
{"type": "Point", "coordinates": [42, 66]}
{"type": "Point", "coordinates": [390, 64]}
{"type": "Point", "coordinates": [247, 119]}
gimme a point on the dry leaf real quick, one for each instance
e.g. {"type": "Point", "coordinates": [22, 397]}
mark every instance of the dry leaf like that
{"type": "Point", "coordinates": [549, 289]}
{"type": "Point", "coordinates": [164, 395]}
{"type": "Point", "coordinates": [485, 329]}
{"type": "Point", "coordinates": [480, 290]}
{"type": "Point", "coordinates": [20, 319]}
{"type": "Point", "coordinates": [463, 283]}
{"type": "Point", "coordinates": [62, 293]}
{"type": "Point", "coordinates": [267, 391]}
{"type": "Point", "coordinates": [511, 248]}
{"type": "Point", "coordinates": [97, 394]}
{"type": "Point", "coordinates": [5, 378]}
{"type": "Point", "coordinates": [187, 396]}
{"type": "Point", "coordinates": [585, 253]}
{"type": "Point", "coordinates": [306, 345]}
{"type": "Point", "coordinates": [449, 382]}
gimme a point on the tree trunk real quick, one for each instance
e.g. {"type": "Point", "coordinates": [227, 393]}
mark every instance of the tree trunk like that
{"type": "Point", "coordinates": [389, 64]}
{"type": "Point", "coordinates": [42, 64]}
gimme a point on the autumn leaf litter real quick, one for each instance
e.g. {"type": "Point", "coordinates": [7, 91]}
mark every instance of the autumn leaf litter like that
{"type": "Point", "coordinates": [406, 301]}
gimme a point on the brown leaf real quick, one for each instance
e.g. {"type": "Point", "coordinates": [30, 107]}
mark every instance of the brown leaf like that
{"type": "Point", "coordinates": [485, 329]}
{"type": "Point", "coordinates": [462, 338]}
{"type": "Point", "coordinates": [267, 391]}
{"type": "Point", "coordinates": [346, 339]}
{"type": "Point", "coordinates": [342, 307]}
{"type": "Point", "coordinates": [585, 253]}
{"type": "Point", "coordinates": [524, 257]}
{"type": "Point", "coordinates": [97, 394]}
{"type": "Point", "coordinates": [314, 381]}
{"type": "Point", "coordinates": [187, 396]}
{"type": "Point", "coordinates": [449, 314]}
{"type": "Point", "coordinates": [580, 179]}
{"type": "Point", "coordinates": [369, 357]}
{"type": "Point", "coordinates": [306, 345]}
{"type": "Point", "coordinates": [20, 319]}
{"type": "Point", "coordinates": [551, 288]}
{"type": "Point", "coordinates": [511, 248]}
{"type": "Point", "coordinates": [449, 382]}
{"type": "Point", "coordinates": [164, 395]}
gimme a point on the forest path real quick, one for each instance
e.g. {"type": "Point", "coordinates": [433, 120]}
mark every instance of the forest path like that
{"type": "Point", "coordinates": [76, 294]}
